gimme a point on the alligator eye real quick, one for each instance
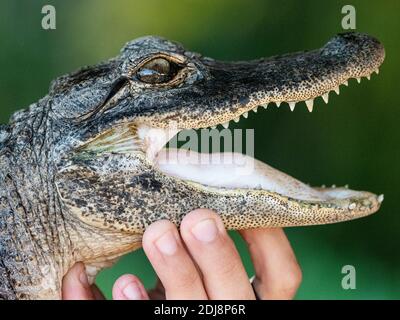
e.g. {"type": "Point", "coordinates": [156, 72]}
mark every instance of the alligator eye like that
{"type": "Point", "coordinates": [157, 71]}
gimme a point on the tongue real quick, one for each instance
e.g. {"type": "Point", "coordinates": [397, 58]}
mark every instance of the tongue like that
{"type": "Point", "coordinates": [233, 171]}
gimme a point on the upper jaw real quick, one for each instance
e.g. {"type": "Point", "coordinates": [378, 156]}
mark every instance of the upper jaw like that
{"type": "Point", "coordinates": [232, 89]}
{"type": "Point", "coordinates": [227, 90]}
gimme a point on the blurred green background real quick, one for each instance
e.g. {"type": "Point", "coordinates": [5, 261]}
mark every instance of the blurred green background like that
{"type": "Point", "coordinates": [354, 139]}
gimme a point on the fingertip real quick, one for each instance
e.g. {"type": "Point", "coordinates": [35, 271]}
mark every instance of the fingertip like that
{"type": "Point", "coordinates": [155, 230]}
{"type": "Point", "coordinates": [195, 216]}
{"type": "Point", "coordinates": [129, 287]}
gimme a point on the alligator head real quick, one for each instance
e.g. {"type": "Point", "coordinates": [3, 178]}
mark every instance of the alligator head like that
{"type": "Point", "coordinates": [108, 125]}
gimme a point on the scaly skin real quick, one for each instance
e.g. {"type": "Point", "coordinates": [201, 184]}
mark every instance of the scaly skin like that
{"type": "Point", "coordinates": [70, 190]}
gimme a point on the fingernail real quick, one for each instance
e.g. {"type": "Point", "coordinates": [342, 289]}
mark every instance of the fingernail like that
{"type": "Point", "coordinates": [205, 231]}
{"type": "Point", "coordinates": [167, 244]}
{"type": "Point", "coordinates": [132, 291]}
{"type": "Point", "coordinates": [84, 279]}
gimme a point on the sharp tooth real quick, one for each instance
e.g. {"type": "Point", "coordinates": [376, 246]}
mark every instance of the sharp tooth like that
{"type": "Point", "coordinates": [334, 186]}
{"type": "Point", "coordinates": [377, 71]}
{"type": "Point", "coordinates": [237, 119]}
{"type": "Point", "coordinates": [278, 103]}
{"type": "Point", "coordinates": [246, 114]}
{"type": "Point", "coordinates": [292, 104]}
{"type": "Point", "coordinates": [323, 186]}
{"type": "Point", "coordinates": [226, 125]}
{"type": "Point", "coordinates": [265, 106]}
{"type": "Point", "coordinates": [310, 104]}
{"type": "Point", "coordinates": [358, 80]}
{"type": "Point", "coordinates": [337, 90]}
{"type": "Point", "coordinates": [346, 83]}
{"type": "Point", "coordinates": [368, 77]}
{"type": "Point", "coordinates": [255, 109]}
{"type": "Point", "coordinates": [325, 96]}
{"type": "Point", "coordinates": [380, 198]}
{"type": "Point", "coordinates": [352, 206]}
{"type": "Point", "coordinates": [214, 127]}
{"type": "Point", "coordinates": [346, 186]}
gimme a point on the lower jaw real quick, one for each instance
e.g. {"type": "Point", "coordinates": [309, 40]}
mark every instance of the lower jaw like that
{"type": "Point", "coordinates": [230, 183]}
{"type": "Point", "coordinates": [240, 173]}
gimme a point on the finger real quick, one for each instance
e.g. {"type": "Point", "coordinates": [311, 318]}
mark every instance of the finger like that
{"type": "Point", "coordinates": [213, 250]}
{"type": "Point", "coordinates": [172, 263]}
{"type": "Point", "coordinates": [129, 287]}
{"type": "Point", "coordinates": [278, 274]}
{"type": "Point", "coordinates": [75, 284]}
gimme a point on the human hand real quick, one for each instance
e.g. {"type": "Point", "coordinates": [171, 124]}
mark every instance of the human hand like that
{"type": "Point", "coordinates": [201, 262]}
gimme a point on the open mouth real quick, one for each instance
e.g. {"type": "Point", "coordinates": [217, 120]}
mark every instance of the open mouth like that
{"type": "Point", "coordinates": [225, 172]}
{"type": "Point", "coordinates": [238, 171]}
{"type": "Point", "coordinates": [297, 78]}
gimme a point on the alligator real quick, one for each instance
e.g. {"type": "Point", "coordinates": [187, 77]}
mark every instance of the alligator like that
{"type": "Point", "coordinates": [85, 170]}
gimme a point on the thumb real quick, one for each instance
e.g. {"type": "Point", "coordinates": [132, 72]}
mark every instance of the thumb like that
{"type": "Point", "coordinates": [75, 284]}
